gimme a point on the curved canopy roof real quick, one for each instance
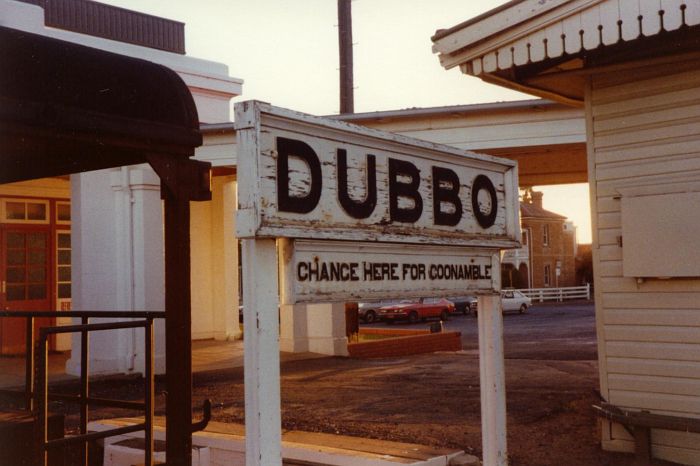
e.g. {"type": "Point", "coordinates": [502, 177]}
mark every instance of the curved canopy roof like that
{"type": "Point", "coordinates": [66, 108]}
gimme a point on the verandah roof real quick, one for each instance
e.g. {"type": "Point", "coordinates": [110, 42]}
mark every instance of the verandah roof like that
{"type": "Point", "coordinates": [66, 108]}
{"type": "Point", "coordinates": [525, 38]}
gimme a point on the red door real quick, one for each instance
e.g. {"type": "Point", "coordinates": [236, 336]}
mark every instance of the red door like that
{"type": "Point", "coordinates": [25, 276]}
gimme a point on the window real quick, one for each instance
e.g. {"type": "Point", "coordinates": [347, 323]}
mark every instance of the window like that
{"type": "Point", "coordinates": [25, 211]}
{"type": "Point", "coordinates": [545, 235]}
{"type": "Point", "coordinates": [63, 265]}
{"type": "Point", "coordinates": [63, 213]}
{"type": "Point", "coordinates": [547, 275]}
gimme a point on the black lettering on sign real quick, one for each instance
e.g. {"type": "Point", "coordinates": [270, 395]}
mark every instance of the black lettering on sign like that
{"type": "Point", "coordinates": [300, 204]}
{"type": "Point", "coordinates": [408, 190]}
{"type": "Point", "coordinates": [449, 195]}
{"type": "Point", "coordinates": [353, 208]}
{"type": "Point", "coordinates": [302, 271]}
{"type": "Point", "coordinates": [485, 209]}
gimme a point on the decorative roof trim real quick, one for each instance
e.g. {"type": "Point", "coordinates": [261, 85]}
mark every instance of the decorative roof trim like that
{"type": "Point", "coordinates": [570, 27]}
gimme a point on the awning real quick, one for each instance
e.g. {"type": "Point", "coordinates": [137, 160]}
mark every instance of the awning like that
{"type": "Point", "coordinates": [66, 108]}
{"type": "Point", "coordinates": [526, 38]}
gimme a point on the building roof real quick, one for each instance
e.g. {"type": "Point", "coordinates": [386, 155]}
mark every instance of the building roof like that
{"type": "Point", "coordinates": [424, 112]}
{"type": "Point", "coordinates": [115, 23]}
{"type": "Point", "coordinates": [539, 37]}
{"type": "Point", "coordinates": [528, 210]}
{"type": "Point", "coordinates": [66, 108]}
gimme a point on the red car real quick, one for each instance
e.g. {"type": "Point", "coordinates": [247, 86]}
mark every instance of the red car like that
{"type": "Point", "coordinates": [416, 310]}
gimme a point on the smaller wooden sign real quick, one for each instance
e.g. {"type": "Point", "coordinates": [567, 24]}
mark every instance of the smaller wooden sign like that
{"type": "Point", "coordinates": [330, 271]}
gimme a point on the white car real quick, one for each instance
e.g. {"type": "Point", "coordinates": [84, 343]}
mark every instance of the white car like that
{"type": "Point", "coordinates": [514, 300]}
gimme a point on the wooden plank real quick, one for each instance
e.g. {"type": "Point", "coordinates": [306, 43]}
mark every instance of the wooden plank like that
{"type": "Point", "coordinates": [653, 350]}
{"type": "Point", "coordinates": [675, 164]}
{"type": "Point", "coordinates": [609, 220]}
{"type": "Point", "coordinates": [643, 78]}
{"type": "Point", "coordinates": [629, 284]}
{"type": "Point", "coordinates": [261, 353]}
{"type": "Point", "coordinates": [671, 300]}
{"type": "Point", "coordinates": [657, 333]}
{"type": "Point", "coordinates": [654, 132]}
{"type": "Point", "coordinates": [492, 381]}
{"type": "Point", "coordinates": [686, 96]}
{"type": "Point", "coordinates": [629, 10]}
{"type": "Point", "coordinates": [674, 438]}
{"type": "Point", "coordinates": [686, 144]}
{"type": "Point", "coordinates": [687, 454]}
{"type": "Point", "coordinates": [608, 205]}
{"type": "Point", "coordinates": [651, 115]}
{"type": "Point", "coordinates": [654, 384]}
{"type": "Point", "coordinates": [610, 269]}
{"type": "Point", "coordinates": [673, 405]}
{"type": "Point", "coordinates": [610, 253]}
{"type": "Point", "coordinates": [651, 367]}
{"type": "Point", "coordinates": [668, 317]}
{"type": "Point", "coordinates": [609, 237]}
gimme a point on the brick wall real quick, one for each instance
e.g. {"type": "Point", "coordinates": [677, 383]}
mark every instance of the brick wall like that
{"type": "Point", "coordinates": [403, 346]}
{"type": "Point", "coordinates": [558, 248]}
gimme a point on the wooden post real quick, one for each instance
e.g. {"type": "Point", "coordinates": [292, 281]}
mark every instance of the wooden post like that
{"type": "Point", "coordinates": [347, 100]}
{"type": "Point", "coordinates": [178, 338]}
{"type": "Point", "coordinates": [492, 380]}
{"type": "Point", "coordinates": [182, 181]}
{"type": "Point", "coordinates": [263, 421]}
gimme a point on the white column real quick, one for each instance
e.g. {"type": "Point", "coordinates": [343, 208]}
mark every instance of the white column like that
{"type": "Point", "coordinates": [225, 259]}
{"type": "Point", "coordinates": [294, 332]}
{"type": "Point", "coordinates": [492, 381]}
{"type": "Point", "coordinates": [263, 420]}
{"type": "Point", "coordinates": [148, 263]}
{"type": "Point", "coordinates": [117, 239]}
{"type": "Point", "coordinates": [326, 328]}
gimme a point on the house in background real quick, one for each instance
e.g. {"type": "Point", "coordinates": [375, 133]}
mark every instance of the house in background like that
{"type": "Point", "coordinates": [547, 256]}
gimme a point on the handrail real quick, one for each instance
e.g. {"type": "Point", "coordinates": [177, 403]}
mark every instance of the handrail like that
{"type": "Point", "coordinates": [36, 390]}
{"type": "Point", "coordinates": [88, 314]}
{"type": "Point", "coordinates": [41, 393]}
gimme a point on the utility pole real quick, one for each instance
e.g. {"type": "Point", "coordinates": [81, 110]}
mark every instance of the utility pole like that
{"type": "Point", "coordinates": [347, 104]}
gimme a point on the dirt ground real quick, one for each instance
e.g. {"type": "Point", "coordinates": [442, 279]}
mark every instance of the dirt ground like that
{"type": "Point", "coordinates": [432, 399]}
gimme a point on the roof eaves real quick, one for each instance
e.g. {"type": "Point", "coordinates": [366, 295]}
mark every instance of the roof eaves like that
{"type": "Point", "coordinates": [445, 110]}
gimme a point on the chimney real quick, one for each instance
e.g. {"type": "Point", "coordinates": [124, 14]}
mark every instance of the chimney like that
{"type": "Point", "coordinates": [537, 198]}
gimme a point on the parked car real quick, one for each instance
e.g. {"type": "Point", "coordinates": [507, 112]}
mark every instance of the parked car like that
{"type": "Point", "coordinates": [368, 311]}
{"type": "Point", "coordinates": [415, 310]}
{"type": "Point", "coordinates": [514, 300]}
{"type": "Point", "coordinates": [465, 304]}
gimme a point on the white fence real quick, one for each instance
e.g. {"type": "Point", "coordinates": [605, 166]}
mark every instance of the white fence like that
{"type": "Point", "coordinates": [558, 294]}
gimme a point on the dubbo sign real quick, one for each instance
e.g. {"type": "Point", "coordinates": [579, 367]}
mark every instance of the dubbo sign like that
{"type": "Point", "coordinates": [305, 177]}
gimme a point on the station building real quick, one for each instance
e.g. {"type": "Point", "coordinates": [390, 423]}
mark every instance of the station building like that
{"type": "Point", "coordinates": [633, 68]}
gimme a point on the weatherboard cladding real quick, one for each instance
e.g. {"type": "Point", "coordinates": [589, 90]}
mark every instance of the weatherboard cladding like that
{"type": "Point", "coordinates": [644, 127]}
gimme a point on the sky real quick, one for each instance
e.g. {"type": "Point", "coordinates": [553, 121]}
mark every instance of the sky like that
{"type": "Point", "coordinates": [286, 51]}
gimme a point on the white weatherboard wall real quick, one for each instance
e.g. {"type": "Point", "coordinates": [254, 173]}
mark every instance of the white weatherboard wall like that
{"type": "Point", "coordinates": [644, 134]}
{"type": "Point", "coordinates": [492, 129]}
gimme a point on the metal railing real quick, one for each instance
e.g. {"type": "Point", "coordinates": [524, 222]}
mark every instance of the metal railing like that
{"type": "Point", "coordinates": [36, 395]}
{"type": "Point", "coordinates": [558, 294]}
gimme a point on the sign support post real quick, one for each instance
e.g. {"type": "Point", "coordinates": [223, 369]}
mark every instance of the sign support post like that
{"type": "Point", "coordinates": [363, 214]}
{"type": "Point", "coordinates": [492, 381]}
{"type": "Point", "coordinates": [263, 438]}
